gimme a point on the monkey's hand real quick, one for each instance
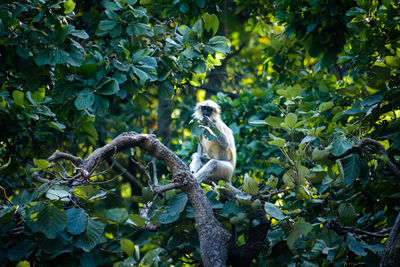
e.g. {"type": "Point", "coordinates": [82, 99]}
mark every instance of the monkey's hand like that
{"type": "Point", "coordinates": [210, 123]}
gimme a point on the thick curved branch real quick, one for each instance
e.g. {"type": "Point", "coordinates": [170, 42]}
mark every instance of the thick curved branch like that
{"type": "Point", "coordinates": [378, 149]}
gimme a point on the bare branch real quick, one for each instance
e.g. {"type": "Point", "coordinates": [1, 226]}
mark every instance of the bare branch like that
{"type": "Point", "coordinates": [62, 155]}
{"type": "Point", "coordinates": [163, 188]}
{"type": "Point", "coordinates": [274, 193]}
{"type": "Point", "coordinates": [342, 230]}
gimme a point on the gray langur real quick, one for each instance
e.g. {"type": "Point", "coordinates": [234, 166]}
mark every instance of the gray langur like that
{"type": "Point", "coordinates": [215, 159]}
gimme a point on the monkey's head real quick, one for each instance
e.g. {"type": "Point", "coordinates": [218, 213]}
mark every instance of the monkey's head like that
{"type": "Point", "coordinates": [207, 108]}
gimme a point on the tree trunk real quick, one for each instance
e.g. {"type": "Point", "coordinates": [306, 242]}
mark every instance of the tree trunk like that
{"type": "Point", "coordinates": [391, 255]}
{"type": "Point", "coordinates": [164, 120]}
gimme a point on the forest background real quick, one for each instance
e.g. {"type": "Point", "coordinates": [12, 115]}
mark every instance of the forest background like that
{"type": "Point", "coordinates": [310, 89]}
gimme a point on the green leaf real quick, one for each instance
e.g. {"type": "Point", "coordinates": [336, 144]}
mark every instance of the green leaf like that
{"type": "Point", "coordinates": [201, 3]}
{"type": "Point", "coordinates": [23, 264]}
{"type": "Point", "coordinates": [56, 125]}
{"type": "Point", "coordinates": [258, 122]}
{"type": "Point", "coordinates": [183, 7]}
{"type": "Point", "coordinates": [50, 221]}
{"type": "Point", "coordinates": [77, 221]}
{"type": "Point", "coordinates": [300, 228]}
{"type": "Point", "coordinates": [21, 250]}
{"type": "Point", "coordinates": [140, 100]}
{"type": "Point", "coordinates": [88, 128]}
{"type": "Point", "coordinates": [18, 97]}
{"type": "Point", "coordinates": [221, 47]}
{"type": "Point", "coordinates": [326, 106]}
{"type": "Point", "coordinates": [230, 208]}
{"type": "Point", "coordinates": [41, 163]}
{"type": "Point", "coordinates": [143, 29]}
{"type": "Point", "coordinates": [84, 100]}
{"type": "Point", "coordinates": [117, 215]}
{"type": "Point", "coordinates": [250, 186]}
{"type": "Point", "coordinates": [60, 56]}
{"type": "Point", "coordinates": [113, 6]}
{"type": "Point", "coordinates": [152, 257]}
{"type": "Point", "coordinates": [347, 214]}
{"type": "Point", "coordinates": [80, 34]}
{"type": "Point", "coordinates": [140, 74]}
{"type": "Point", "coordinates": [69, 6]}
{"type": "Point", "coordinates": [44, 57]}
{"type": "Point", "coordinates": [23, 52]}
{"type": "Point", "coordinates": [107, 25]}
{"type": "Point", "coordinates": [357, 247]}
{"type": "Point", "coordinates": [276, 141]}
{"type": "Point", "coordinates": [319, 248]}
{"type": "Point", "coordinates": [198, 26]}
{"type": "Point", "coordinates": [23, 198]}
{"type": "Point", "coordinates": [274, 121]}
{"type": "Point", "coordinates": [211, 23]}
{"type": "Point", "coordinates": [174, 208]}
{"type": "Point", "coordinates": [100, 105]}
{"type": "Point", "coordinates": [128, 247]}
{"type": "Point", "coordinates": [89, 68]}
{"type": "Point", "coordinates": [58, 194]}
{"type": "Point", "coordinates": [243, 199]}
{"type": "Point", "coordinates": [92, 237]}
{"type": "Point", "coordinates": [274, 211]}
{"type": "Point", "coordinates": [290, 120]}
{"type": "Point", "coordinates": [62, 33]}
{"type": "Point", "coordinates": [341, 145]}
{"type": "Point", "coordinates": [351, 168]}
{"type": "Point", "coordinates": [86, 192]}
{"type": "Point", "coordinates": [109, 88]}
{"type": "Point", "coordinates": [138, 220]}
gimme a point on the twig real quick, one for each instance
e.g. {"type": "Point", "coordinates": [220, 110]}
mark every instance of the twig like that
{"type": "Point", "coordinates": [274, 193]}
{"type": "Point", "coordinates": [342, 230]}
{"type": "Point", "coordinates": [62, 155]}
{"type": "Point", "coordinates": [5, 195]}
{"type": "Point", "coordinates": [162, 188]}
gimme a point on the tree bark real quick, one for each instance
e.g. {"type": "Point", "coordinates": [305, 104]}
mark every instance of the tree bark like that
{"type": "Point", "coordinates": [164, 112]}
{"type": "Point", "coordinates": [391, 254]}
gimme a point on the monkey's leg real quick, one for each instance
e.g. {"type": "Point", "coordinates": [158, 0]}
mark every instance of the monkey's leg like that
{"type": "Point", "coordinates": [196, 163]}
{"type": "Point", "coordinates": [215, 170]}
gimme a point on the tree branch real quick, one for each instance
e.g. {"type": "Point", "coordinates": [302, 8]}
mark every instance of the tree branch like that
{"type": "Point", "coordinates": [342, 230]}
{"type": "Point", "coordinates": [164, 188]}
{"type": "Point", "coordinates": [62, 155]}
{"type": "Point", "coordinates": [214, 239]}
{"type": "Point", "coordinates": [391, 254]}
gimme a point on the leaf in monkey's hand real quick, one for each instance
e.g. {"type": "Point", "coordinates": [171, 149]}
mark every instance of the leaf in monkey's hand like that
{"type": "Point", "coordinates": [195, 127]}
{"type": "Point", "coordinates": [211, 133]}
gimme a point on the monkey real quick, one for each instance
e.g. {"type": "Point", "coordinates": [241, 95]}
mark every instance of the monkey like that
{"type": "Point", "coordinates": [215, 159]}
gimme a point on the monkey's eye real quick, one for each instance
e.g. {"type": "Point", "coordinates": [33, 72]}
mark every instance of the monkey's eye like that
{"type": "Point", "coordinates": [207, 108]}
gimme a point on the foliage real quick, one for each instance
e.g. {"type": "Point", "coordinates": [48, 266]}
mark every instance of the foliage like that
{"type": "Point", "coordinates": [310, 80]}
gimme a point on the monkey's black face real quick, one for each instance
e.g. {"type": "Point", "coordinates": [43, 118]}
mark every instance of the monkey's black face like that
{"type": "Point", "coordinates": [206, 111]}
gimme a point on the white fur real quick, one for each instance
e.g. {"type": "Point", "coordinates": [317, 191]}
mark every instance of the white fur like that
{"type": "Point", "coordinates": [223, 159]}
